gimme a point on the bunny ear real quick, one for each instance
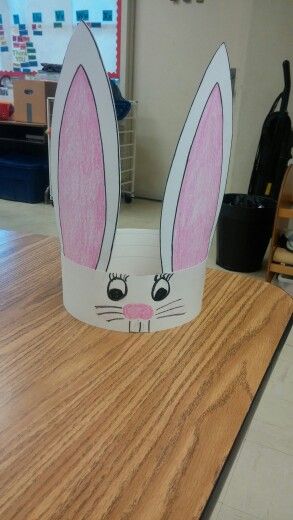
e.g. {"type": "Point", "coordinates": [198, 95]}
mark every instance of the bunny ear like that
{"type": "Point", "coordinates": [85, 155]}
{"type": "Point", "coordinates": [199, 170]}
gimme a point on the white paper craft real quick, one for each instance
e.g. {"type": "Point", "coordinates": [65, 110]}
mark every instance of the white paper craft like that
{"type": "Point", "coordinates": [134, 280]}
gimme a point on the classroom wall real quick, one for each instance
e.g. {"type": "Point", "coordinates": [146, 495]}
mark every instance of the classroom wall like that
{"type": "Point", "coordinates": [5, 57]}
{"type": "Point", "coordinates": [174, 42]}
{"type": "Point", "coordinates": [270, 41]}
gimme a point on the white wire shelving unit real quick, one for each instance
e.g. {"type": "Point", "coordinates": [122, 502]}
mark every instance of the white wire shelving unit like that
{"type": "Point", "coordinates": [127, 138]}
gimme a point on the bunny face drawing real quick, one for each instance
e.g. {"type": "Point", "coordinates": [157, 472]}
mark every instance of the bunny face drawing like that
{"type": "Point", "coordinates": [132, 302]}
{"type": "Point", "coordinates": [139, 315]}
{"type": "Point", "coordinates": [134, 280]}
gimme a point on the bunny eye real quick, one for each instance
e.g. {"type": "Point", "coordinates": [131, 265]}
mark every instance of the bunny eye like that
{"type": "Point", "coordinates": [161, 287]}
{"type": "Point", "coordinates": [117, 287]}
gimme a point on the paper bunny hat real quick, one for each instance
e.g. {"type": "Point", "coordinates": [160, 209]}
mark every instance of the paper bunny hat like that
{"type": "Point", "coordinates": [134, 280]}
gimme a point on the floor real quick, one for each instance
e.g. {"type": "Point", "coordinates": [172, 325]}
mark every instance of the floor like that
{"type": "Point", "coordinates": [257, 483]}
{"type": "Point", "coordinates": [40, 218]}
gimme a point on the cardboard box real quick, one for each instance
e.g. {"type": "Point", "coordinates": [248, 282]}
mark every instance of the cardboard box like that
{"type": "Point", "coordinates": [30, 99]}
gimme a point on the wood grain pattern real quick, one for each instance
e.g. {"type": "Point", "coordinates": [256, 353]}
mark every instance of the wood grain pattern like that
{"type": "Point", "coordinates": [102, 425]}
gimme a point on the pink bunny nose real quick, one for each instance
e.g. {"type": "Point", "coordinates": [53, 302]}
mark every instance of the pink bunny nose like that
{"type": "Point", "coordinates": [138, 311]}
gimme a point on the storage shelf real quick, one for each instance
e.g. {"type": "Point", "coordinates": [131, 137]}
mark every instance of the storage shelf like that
{"type": "Point", "coordinates": [126, 158]}
{"type": "Point", "coordinates": [27, 141]}
{"type": "Point", "coordinates": [283, 256]}
{"type": "Point", "coordinates": [21, 123]}
{"type": "Point", "coordinates": [286, 211]}
{"type": "Point", "coordinates": [281, 268]}
{"type": "Point", "coordinates": [281, 260]}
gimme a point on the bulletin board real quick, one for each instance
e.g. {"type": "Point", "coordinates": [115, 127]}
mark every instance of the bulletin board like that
{"type": "Point", "coordinates": [38, 31]}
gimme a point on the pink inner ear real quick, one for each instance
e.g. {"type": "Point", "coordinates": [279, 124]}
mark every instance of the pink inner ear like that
{"type": "Point", "coordinates": [82, 203]}
{"type": "Point", "coordinates": [199, 192]}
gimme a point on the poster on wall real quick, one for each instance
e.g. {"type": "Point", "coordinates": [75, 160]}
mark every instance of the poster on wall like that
{"type": "Point", "coordinates": [34, 32]}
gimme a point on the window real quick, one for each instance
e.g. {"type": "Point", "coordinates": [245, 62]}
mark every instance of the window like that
{"type": "Point", "coordinates": [33, 32]}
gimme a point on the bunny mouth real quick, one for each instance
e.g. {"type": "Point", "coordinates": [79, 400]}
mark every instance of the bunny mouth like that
{"type": "Point", "coordinates": [139, 326]}
{"type": "Point", "coordinates": [140, 322]}
{"type": "Point", "coordinates": [113, 313]}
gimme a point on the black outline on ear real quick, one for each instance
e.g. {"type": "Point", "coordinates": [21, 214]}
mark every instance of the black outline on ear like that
{"type": "Point", "coordinates": [118, 147]}
{"type": "Point", "coordinates": [187, 159]}
{"type": "Point", "coordinates": [182, 130]}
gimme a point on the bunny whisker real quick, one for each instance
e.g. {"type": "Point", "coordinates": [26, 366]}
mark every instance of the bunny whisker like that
{"type": "Point", "coordinates": [172, 309]}
{"type": "Point", "coordinates": [115, 319]}
{"type": "Point", "coordinates": [170, 315]}
{"type": "Point", "coordinates": [109, 312]}
{"type": "Point", "coordinates": [108, 307]}
{"type": "Point", "coordinates": [170, 303]}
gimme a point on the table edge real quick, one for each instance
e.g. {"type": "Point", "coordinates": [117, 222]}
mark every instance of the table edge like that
{"type": "Point", "coordinates": [232, 454]}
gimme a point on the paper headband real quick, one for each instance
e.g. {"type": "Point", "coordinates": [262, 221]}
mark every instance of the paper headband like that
{"type": "Point", "coordinates": [134, 280]}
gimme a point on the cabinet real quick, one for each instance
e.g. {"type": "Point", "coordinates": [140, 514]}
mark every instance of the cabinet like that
{"type": "Point", "coordinates": [24, 161]}
{"type": "Point", "coordinates": [23, 137]}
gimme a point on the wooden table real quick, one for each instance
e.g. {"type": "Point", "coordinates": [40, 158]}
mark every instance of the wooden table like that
{"type": "Point", "coordinates": [102, 425]}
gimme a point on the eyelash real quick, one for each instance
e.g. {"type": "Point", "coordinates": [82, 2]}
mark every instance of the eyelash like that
{"type": "Point", "coordinates": [115, 276]}
{"type": "Point", "coordinates": [163, 276]}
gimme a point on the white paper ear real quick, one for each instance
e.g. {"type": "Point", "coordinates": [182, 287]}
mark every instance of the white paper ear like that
{"type": "Point", "coordinates": [199, 170]}
{"type": "Point", "coordinates": [85, 160]}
